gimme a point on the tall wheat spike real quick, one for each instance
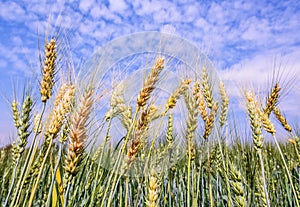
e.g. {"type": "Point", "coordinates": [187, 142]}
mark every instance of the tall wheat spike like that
{"type": "Point", "coordinates": [139, 135]}
{"type": "Point", "coordinates": [48, 70]}
{"type": "Point", "coordinates": [272, 100]}
{"type": "Point", "coordinates": [177, 93]}
{"type": "Point", "coordinates": [224, 105]}
{"type": "Point", "coordinates": [170, 138]}
{"type": "Point", "coordinates": [152, 190]}
{"type": "Point", "coordinates": [282, 119]}
{"type": "Point", "coordinates": [237, 186]}
{"type": "Point", "coordinates": [149, 85]}
{"type": "Point", "coordinates": [23, 124]}
{"type": "Point", "coordinates": [209, 124]}
{"type": "Point", "coordinates": [256, 126]}
{"type": "Point", "coordinates": [207, 88]}
{"type": "Point", "coordinates": [255, 121]}
{"type": "Point", "coordinates": [77, 136]}
{"type": "Point", "coordinates": [191, 123]}
{"type": "Point", "coordinates": [119, 108]}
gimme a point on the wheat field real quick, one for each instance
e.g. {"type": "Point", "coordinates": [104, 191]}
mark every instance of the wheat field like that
{"type": "Point", "coordinates": [64, 154]}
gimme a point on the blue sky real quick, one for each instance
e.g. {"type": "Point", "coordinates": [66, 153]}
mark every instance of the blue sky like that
{"type": "Point", "coordinates": [245, 38]}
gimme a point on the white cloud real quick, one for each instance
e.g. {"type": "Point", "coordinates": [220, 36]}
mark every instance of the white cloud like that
{"type": "Point", "coordinates": [257, 30]}
{"type": "Point", "coordinates": [117, 6]}
{"type": "Point", "coordinates": [11, 11]}
{"type": "Point", "coordinates": [168, 13]}
{"type": "Point", "coordinates": [191, 12]}
{"type": "Point", "coordinates": [3, 63]}
{"type": "Point", "coordinates": [85, 5]}
{"type": "Point", "coordinates": [96, 12]}
{"type": "Point", "coordinates": [216, 14]}
{"type": "Point", "coordinates": [104, 13]}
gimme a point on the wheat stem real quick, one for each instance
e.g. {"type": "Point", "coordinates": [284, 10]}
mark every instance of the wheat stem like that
{"type": "Point", "coordinates": [287, 171]}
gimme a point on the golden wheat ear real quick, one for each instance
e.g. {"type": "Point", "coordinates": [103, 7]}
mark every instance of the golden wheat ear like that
{"type": "Point", "coordinates": [47, 82]}
{"type": "Point", "coordinates": [177, 93]}
{"type": "Point", "coordinates": [224, 105]}
{"type": "Point", "coordinates": [255, 121]}
{"type": "Point", "coordinates": [149, 85]}
{"type": "Point", "coordinates": [272, 100]}
{"type": "Point", "coordinates": [77, 136]}
{"type": "Point", "coordinates": [282, 119]}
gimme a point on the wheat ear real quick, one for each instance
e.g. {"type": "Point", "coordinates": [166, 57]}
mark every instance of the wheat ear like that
{"type": "Point", "coordinates": [191, 123]}
{"type": "Point", "coordinates": [255, 121]}
{"type": "Point", "coordinates": [257, 136]}
{"type": "Point", "coordinates": [78, 135]}
{"type": "Point", "coordinates": [272, 100]}
{"type": "Point", "coordinates": [224, 105]}
{"type": "Point", "coordinates": [149, 85]}
{"type": "Point", "coordinates": [48, 70]}
{"type": "Point", "coordinates": [209, 124]}
{"type": "Point", "coordinates": [22, 123]}
{"type": "Point", "coordinates": [267, 124]}
{"type": "Point", "coordinates": [237, 186]}
{"type": "Point", "coordinates": [207, 88]}
{"type": "Point", "coordinates": [177, 93]}
{"type": "Point", "coordinates": [118, 107]}
{"type": "Point", "coordinates": [139, 135]}
{"type": "Point", "coordinates": [200, 100]}
{"type": "Point", "coordinates": [282, 119]}
{"type": "Point", "coordinates": [170, 138]}
{"type": "Point", "coordinates": [152, 190]}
